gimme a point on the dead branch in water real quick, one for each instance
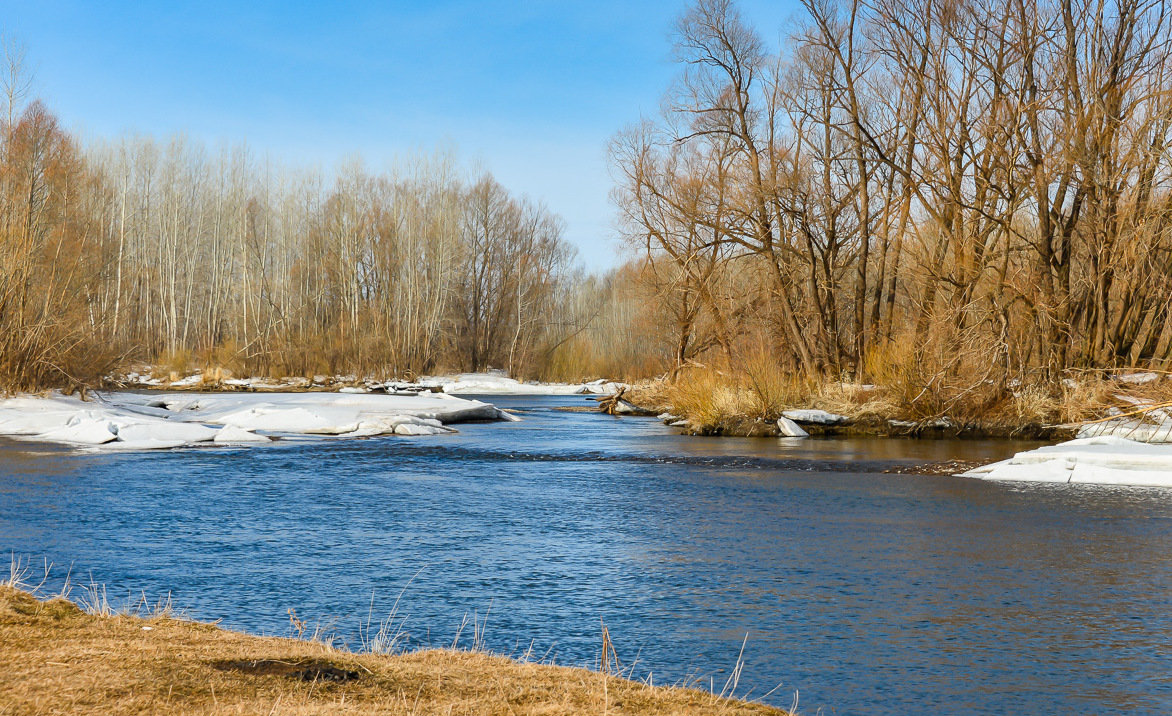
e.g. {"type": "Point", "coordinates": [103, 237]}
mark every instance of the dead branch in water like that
{"type": "Point", "coordinates": [610, 404]}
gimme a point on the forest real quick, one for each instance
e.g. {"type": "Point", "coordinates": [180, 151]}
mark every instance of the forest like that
{"type": "Point", "coordinates": [951, 196]}
{"type": "Point", "coordinates": [172, 255]}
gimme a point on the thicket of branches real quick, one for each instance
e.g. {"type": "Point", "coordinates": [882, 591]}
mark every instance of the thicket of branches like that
{"type": "Point", "coordinates": [48, 234]}
{"type": "Point", "coordinates": [953, 186]}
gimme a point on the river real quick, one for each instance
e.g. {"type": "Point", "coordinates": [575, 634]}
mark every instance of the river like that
{"type": "Point", "coordinates": [863, 592]}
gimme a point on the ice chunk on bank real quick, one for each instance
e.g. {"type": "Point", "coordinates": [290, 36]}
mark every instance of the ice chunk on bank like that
{"type": "Point", "coordinates": [231, 434]}
{"type": "Point", "coordinates": [399, 425]}
{"type": "Point", "coordinates": [88, 428]}
{"type": "Point", "coordinates": [815, 417]}
{"type": "Point", "coordinates": [286, 419]}
{"type": "Point", "coordinates": [790, 429]}
{"type": "Point", "coordinates": [162, 434]}
{"type": "Point", "coordinates": [418, 429]}
{"type": "Point", "coordinates": [1105, 460]}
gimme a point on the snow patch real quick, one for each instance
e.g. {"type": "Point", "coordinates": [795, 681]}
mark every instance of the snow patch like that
{"type": "Point", "coordinates": [489, 383]}
{"type": "Point", "coordinates": [416, 429]}
{"type": "Point", "coordinates": [150, 434]}
{"type": "Point", "coordinates": [134, 421]}
{"type": "Point", "coordinates": [815, 417]}
{"type": "Point", "coordinates": [1104, 460]}
{"type": "Point", "coordinates": [88, 428]}
{"type": "Point", "coordinates": [496, 384]}
{"type": "Point", "coordinates": [1129, 428]}
{"type": "Point", "coordinates": [1137, 378]}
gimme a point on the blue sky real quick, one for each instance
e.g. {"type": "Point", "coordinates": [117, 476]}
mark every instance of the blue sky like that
{"type": "Point", "coordinates": [529, 91]}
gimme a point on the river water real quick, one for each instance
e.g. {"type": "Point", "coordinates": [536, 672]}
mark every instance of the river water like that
{"type": "Point", "coordinates": [863, 592]}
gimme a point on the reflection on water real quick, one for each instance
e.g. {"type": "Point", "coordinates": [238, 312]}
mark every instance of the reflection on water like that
{"type": "Point", "coordinates": [867, 592]}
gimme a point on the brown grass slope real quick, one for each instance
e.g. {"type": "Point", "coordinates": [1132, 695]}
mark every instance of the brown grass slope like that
{"type": "Point", "coordinates": [56, 659]}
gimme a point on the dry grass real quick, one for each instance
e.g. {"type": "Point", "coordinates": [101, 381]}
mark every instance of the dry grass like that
{"type": "Point", "coordinates": [57, 659]}
{"type": "Point", "coordinates": [709, 400]}
{"type": "Point", "coordinates": [964, 381]}
{"type": "Point", "coordinates": [911, 386]}
{"type": "Point", "coordinates": [721, 399]}
{"type": "Point", "coordinates": [651, 394]}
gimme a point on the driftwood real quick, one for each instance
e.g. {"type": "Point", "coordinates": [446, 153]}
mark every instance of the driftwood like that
{"type": "Point", "coordinates": [610, 404]}
{"type": "Point", "coordinates": [618, 405]}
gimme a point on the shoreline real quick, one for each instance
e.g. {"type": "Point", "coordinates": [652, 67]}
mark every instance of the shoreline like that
{"type": "Point", "coordinates": [220, 380]}
{"type": "Point", "coordinates": [57, 656]}
{"type": "Point", "coordinates": [171, 419]}
{"type": "Point", "coordinates": [867, 411]}
{"type": "Point", "coordinates": [720, 406]}
{"type": "Point", "coordinates": [1123, 447]}
{"type": "Point", "coordinates": [880, 428]}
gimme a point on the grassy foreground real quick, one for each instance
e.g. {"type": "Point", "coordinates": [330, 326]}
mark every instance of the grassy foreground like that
{"type": "Point", "coordinates": [55, 658]}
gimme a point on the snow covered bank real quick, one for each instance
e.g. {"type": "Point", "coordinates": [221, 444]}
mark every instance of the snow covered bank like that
{"type": "Point", "coordinates": [1147, 422]}
{"type": "Point", "coordinates": [464, 383]}
{"type": "Point", "coordinates": [1143, 431]}
{"type": "Point", "coordinates": [494, 384]}
{"type": "Point", "coordinates": [134, 421]}
{"type": "Point", "coordinates": [1104, 460]}
{"type": "Point", "coordinates": [815, 417]}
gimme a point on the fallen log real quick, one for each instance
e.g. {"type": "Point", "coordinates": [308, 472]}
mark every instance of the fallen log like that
{"type": "Point", "coordinates": [617, 405]}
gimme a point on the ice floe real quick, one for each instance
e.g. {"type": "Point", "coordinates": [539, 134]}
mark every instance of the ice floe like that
{"type": "Point", "coordinates": [133, 421]}
{"type": "Point", "coordinates": [1105, 460]}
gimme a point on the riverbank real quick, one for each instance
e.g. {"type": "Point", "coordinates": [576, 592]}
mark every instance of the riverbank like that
{"type": "Point", "coordinates": [57, 658]}
{"type": "Point", "coordinates": [1110, 429]}
{"type": "Point", "coordinates": [775, 405]}
{"type": "Point", "coordinates": [219, 379]}
{"type": "Point", "coordinates": [170, 419]}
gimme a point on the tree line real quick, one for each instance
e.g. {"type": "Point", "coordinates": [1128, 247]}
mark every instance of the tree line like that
{"type": "Point", "coordinates": [966, 185]}
{"type": "Point", "coordinates": [168, 253]}
{"type": "Point", "coordinates": [939, 192]}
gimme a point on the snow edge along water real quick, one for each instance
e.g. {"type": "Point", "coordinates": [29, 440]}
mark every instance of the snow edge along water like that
{"type": "Point", "coordinates": [162, 420]}
{"type": "Point", "coordinates": [1099, 460]}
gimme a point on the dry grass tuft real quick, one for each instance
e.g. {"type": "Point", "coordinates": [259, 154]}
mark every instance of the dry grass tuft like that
{"type": "Point", "coordinates": [770, 388]}
{"type": "Point", "coordinates": [757, 390]}
{"type": "Point", "coordinates": [708, 400]}
{"type": "Point", "coordinates": [57, 659]}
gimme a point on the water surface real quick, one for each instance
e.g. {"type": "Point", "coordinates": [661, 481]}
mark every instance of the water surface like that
{"type": "Point", "coordinates": [865, 592]}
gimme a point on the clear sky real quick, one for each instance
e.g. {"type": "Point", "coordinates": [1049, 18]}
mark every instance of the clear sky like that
{"type": "Point", "coordinates": [531, 91]}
